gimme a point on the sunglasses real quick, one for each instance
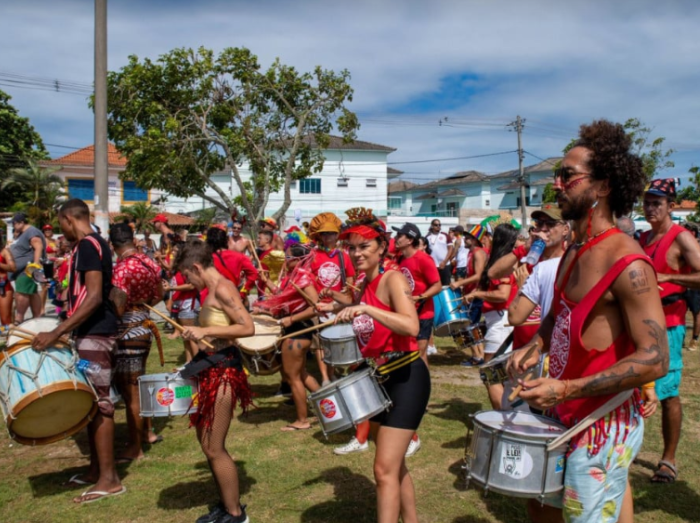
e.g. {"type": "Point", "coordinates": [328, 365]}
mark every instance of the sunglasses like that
{"type": "Point", "coordinates": [565, 174]}
{"type": "Point", "coordinates": [548, 223]}
{"type": "Point", "coordinates": [434, 224]}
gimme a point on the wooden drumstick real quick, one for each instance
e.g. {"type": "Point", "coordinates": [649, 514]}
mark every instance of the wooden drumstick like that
{"type": "Point", "coordinates": [350, 285]}
{"type": "Point", "coordinates": [17, 330]}
{"type": "Point", "coordinates": [304, 331]}
{"type": "Point", "coordinates": [527, 376]}
{"type": "Point", "coordinates": [177, 325]}
{"type": "Point", "coordinates": [304, 295]}
{"type": "Point", "coordinates": [255, 255]}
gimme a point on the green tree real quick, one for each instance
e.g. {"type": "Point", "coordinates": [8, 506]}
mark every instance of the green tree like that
{"type": "Point", "coordinates": [39, 189]}
{"type": "Point", "coordinates": [549, 195]}
{"type": "Point", "coordinates": [19, 144]}
{"type": "Point", "coordinates": [142, 213]}
{"type": "Point", "coordinates": [189, 114]}
{"type": "Point", "coordinates": [654, 157]}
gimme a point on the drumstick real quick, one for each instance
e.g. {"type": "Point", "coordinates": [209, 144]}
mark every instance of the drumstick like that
{"type": "Point", "coordinates": [304, 331]}
{"type": "Point", "coordinates": [177, 325]}
{"type": "Point", "coordinates": [304, 295]}
{"type": "Point", "coordinates": [353, 287]}
{"type": "Point", "coordinates": [525, 324]}
{"type": "Point", "coordinates": [18, 329]}
{"type": "Point", "coordinates": [255, 255]}
{"type": "Point", "coordinates": [527, 376]}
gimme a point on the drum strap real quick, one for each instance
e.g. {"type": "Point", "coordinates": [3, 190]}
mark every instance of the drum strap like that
{"type": "Point", "coordinates": [203, 361]}
{"type": "Point", "coordinates": [504, 345]}
{"type": "Point", "coordinates": [399, 362]}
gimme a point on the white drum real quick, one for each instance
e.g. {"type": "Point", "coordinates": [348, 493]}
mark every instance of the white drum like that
{"type": "Point", "coordinates": [163, 395]}
{"type": "Point", "coordinates": [508, 454]}
{"type": "Point", "coordinates": [340, 347]}
{"type": "Point", "coordinates": [35, 325]}
{"type": "Point", "coordinates": [260, 352]}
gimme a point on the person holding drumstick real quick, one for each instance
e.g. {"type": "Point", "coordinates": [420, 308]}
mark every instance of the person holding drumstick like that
{"type": "Point", "coordinates": [222, 382]}
{"type": "Point", "coordinates": [295, 298]}
{"type": "Point", "coordinates": [386, 324]}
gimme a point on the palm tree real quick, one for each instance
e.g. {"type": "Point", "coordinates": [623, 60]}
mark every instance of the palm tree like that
{"type": "Point", "coordinates": [42, 190]}
{"type": "Point", "coordinates": [142, 213]}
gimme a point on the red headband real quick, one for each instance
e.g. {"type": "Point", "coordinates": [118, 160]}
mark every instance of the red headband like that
{"type": "Point", "coordinates": [367, 232]}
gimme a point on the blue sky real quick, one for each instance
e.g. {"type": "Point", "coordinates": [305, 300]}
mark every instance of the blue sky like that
{"type": "Point", "coordinates": [472, 64]}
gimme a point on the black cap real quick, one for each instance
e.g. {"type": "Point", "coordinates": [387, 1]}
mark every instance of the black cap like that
{"type": "Point", "coordinates": [459, 229]}
{"type": "Point", "coordinates": [19, 217]}
{"type": "Point", "coordinates": [409, 229]}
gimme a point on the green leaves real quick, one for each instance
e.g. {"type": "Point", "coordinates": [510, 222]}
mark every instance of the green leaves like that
{"type": "Point", "coordinates": [189, 114]}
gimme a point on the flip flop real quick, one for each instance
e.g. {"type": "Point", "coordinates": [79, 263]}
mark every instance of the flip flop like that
{"type": "Point", "coordinates": [158, 439]}
{"type": "Point", "coordinates": [661, 476]}
{"type": "Point", "coordinates": [101, 494]}
{"type": "Point", "coordinates": [292, 428]}
{"type": "Point", "coordinates": [75, 481]}
{"type": "Point", "coordinates": [123, 460]}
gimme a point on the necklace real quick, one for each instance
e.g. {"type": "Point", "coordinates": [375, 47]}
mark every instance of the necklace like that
{"type": "Point", "coordinates": [126, 252]}
{"type": "Point", "coordinates": [590, 238]}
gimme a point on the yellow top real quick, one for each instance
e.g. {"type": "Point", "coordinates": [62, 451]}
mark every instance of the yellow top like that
{"type": "Point", "coordinates": [213, 317]}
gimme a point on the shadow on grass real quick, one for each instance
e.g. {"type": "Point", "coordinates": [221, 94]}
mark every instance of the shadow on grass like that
{"type": "Point", "coordinates": [269, 411]}
{"type": "Point", "coordinates": [675, 499]}
{"type": "Point", "coordinates": [51, 483]}
{"type": "Point", "coordinates": [455, 409]}
{"type": "Point", "coordinates": [354, 498]}
{"type": "Point", "coordinates": [202, 491]}
{"type": "Point", "coordinates": [447, 357]}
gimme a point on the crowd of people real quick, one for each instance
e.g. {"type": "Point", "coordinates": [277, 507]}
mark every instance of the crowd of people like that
{"type": "Point", "coordinates": [596, 317]}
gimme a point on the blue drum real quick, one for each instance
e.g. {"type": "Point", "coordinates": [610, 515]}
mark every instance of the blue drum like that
{"type": "Point", "coordinates": [450, 314]}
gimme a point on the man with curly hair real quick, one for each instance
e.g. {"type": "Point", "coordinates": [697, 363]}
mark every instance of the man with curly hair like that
{"type": "Point", "coordinates": [676, 257]}
{"type": "Point", "coordinates": [605, 332]}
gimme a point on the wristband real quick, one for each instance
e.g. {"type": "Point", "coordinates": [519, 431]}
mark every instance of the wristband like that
{"type": "Point", "coordinates": [649, 385]}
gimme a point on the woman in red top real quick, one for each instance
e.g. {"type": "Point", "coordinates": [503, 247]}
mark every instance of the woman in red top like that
{"type": "Point", "coordinates": [7, 265]}
{"type": "Point", "coordinates": [386, 324]}
{"type": "Point", "coordinates": [497, 296]}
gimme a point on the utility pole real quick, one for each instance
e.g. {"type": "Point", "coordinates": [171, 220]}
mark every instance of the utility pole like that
{"type": "Point", "coordinates": [101, 161]}
{"type": "Point", "coordinates": [518, 125]}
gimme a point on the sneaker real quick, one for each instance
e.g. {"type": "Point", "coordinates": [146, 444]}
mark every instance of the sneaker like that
{"type": "Point", "coordinates": [228, 518]}
{"type": "Point", "coordinates": [353, 446]}
{"type": "Point", "coordinates": [413, 447]}
{"type": "Point", "coordinates": [432, 350]}
{"type": "Point", "coordinates": [693, 346]}
{"type": "Point", "coordinates": [215, 513]}
{"type": "Point", "coordinates": [473, 362]}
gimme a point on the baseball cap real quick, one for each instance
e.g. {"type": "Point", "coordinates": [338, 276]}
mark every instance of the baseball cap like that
{"type": "Point", "coordinates": [47, 227]}
{"type": "Point", "coordinates": [269, 221]}
{"type": "Point", "coordinates": [663, 187]}
{"type": "Point", "coordinates": [459, 229]}
{"type": "Point", "coordinates": [550, 210]}
{"type": "Point", "coordinates": [160, 218]}
{"type": "Point", "coordinates": [408, 229]}
{"type": "Point", "coordinates": [19, 217]}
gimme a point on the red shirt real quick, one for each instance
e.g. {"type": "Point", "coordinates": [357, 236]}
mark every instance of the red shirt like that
{"type": "Point", "coordinates": [183, 295]}
{"type": "Point", "coordinates": [232, 265]}
{"type": "Point", "coordinates": [138, 276]}
{"type": "Point", "coordinates": [421, 273]}
{"type": "Point", "coordinates": [327, 269]}
{"type": "Point", "coordinates": [493, 285]}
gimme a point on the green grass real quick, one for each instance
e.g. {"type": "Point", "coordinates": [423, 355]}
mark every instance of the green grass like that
{"type": "Point", "coordinates": [295, 477]}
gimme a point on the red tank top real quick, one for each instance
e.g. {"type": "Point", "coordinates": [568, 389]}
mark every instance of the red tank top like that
{"type": "Point", "coordinates": [569, 359]}
{"type": "Point", "coordinates": [374, 338]}
{"type": "Point", "coordinates": [471, 269]}
{"type": "Point", "coordinates": [657, 251]}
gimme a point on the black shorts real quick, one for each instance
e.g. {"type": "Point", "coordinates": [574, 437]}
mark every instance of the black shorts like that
{"type": "Point", "coordinates": [692, 298]}
{"type": "Point", "coordinates": [425, 329]}
{"type": "Point", "coordinates": [408, 388]}
{"type": "Point", "coordinates": [298, 326]}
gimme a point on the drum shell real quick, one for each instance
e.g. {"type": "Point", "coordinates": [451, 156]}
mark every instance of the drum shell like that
{"type": "Point", "coordinates": [260, 352]}
{"type": "Point", "coordinates": [515, 464]}
{"type": "Point", "coordinates": [162, 395]}
{"type": "Point", "coordinates": [450, 315]}
{"type": "Point", "coordinates": [340, 346]}
{"type": "Point", "coordinates": [59, 403]}
{"type": "Point", "coordinates": [349, 401]}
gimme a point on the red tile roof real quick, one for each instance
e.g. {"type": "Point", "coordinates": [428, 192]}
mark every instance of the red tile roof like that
{"type": "Point", "coordinates": [174, 220]}
{"type": "Point", "coordinates": [687, 204]}
{"type": "Point", "coordinates": [86, 156]}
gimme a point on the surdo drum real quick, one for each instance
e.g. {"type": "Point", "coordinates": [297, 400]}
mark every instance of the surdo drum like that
{"type": "Point", "coordinates": [349, 401]}
{"type": "Point", "coordinates": [508, 454]}
{"type": "Point", "coordinates": [165, 394]}
{"type": "Point", "coordinates": [260, 352]}
{"type": "Point", "coordinates": [35, 325]}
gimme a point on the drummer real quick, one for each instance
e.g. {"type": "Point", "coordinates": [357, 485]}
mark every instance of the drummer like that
{"type": "Point", "coordinates": [94, 325]}
{"type": "Point", "coordinates": [497, 295]}
{"type": "Point", "coordinates": [331, 266]}
{"type": "Point", "coordinates": [222, 384]}
{"type": "Point", "coordinates": [386, 324]}
{"type": "Point", "coordinates": [296, 314]}
{"type": "Point", "coordinates": [7, 265]}
{"type": "Point", "coordinates": [476, 261]}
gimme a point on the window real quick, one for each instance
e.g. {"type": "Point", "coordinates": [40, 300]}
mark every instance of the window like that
{"type": "Point", "coordinates": [371, 182]}
{"type": "Point", "coordinates": [310, 186]}
{"type": "Point", "coordinates": [293, 185]}
{"type": "Point", "coordinates": [342, 182]}
{"type": "Point", "coordinates": [433, 208]}
{"type": "Point", "coordinates": [395, 202]}
{"type": "Point", "coordinates": [132, 193]}
{"type": "Point", "coordinates": [527, 201]}
{"type": "Point", "coordinates": [452, 209]}
{"type": "Point", "coordinates": [81, 188]}
{"type": "Point", "coordinates": [487, 203]}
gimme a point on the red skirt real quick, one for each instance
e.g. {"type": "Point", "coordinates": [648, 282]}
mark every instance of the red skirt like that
{"type": "Point", "coordinates": [210, 382]}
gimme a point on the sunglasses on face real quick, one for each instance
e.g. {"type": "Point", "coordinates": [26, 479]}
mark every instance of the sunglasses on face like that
{"type": "Point", "coordinates": [565, 174]}
{"type": "Point", "coordinates": [546, 223]}
{"type": "Point", "coordinates": [435, 224]}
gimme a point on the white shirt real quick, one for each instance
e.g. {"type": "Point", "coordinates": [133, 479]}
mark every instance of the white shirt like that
{"type": "Point", "coordinates": [539, 287]}
{"type": "Point", "coordinates": [462, 255]}
{"type": "Point", "coordinates": [439, 244]}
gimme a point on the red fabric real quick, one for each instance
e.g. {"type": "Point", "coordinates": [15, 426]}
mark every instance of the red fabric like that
{"type": "Point", "coordinates": [520, 252]}
{"type": "Point", "coordinates": [569, 359]}
{"type": "Point", "coordinates": [373, 337]}
{"type": "Point", "coordinates": [287, 300]}
{"type": "Point", "coordinates": [522, 334]}
{"type": "Point", "coordinates": [138, 276]}
{"type": "Point", "coordinates": [3, 274]}
{"type": "Point", "coordinates": [471, 270]}
{"type": "Point", "coordinates": [183, 295]}
{"type": "Point", "coordinates": [209, 382]}
{"type": "Point", "coordinates": [326, 268]}
{"type": "Point", "coordinates": [236, 264]}
{"type": "Point", "coordinates": [365, 231]}
{"type": "Point", "coordinates": [657, 251]}
{"type": "Point", "coordinates": [421, 273]}
{"type": "Point", "coordinates": [494, 285]}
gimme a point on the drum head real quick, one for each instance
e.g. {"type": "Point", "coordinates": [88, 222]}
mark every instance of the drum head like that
{"type": "Point", "coordinates": [35, 325]}
{"type": "Point", "coordinates": [54, 414]}
{"type": "Point", "coordinates": [520, 423]}
{"type": "Point", "coordinates": [336, 332]}
{"type": "Point", "coordinates": [267, 331]}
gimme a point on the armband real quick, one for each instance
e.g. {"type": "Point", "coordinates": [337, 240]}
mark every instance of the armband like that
{"type": "Point", "coordinates": [649, 385]}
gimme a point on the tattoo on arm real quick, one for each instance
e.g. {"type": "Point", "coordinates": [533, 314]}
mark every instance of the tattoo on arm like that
{"type": "Point", "coordinates": [639, 281]}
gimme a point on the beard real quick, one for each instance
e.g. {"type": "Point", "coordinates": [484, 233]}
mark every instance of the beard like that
{"type": "Point", "coordinates": [576, 209]}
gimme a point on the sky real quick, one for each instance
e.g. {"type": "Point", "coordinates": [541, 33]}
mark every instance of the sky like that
{"type": "Point", "coordinates": [439, 80]}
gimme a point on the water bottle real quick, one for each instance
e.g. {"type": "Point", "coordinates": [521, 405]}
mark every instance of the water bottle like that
{"type": "Point", "coordinates": [52, 290]}
{"type": "Point", "coordinates": [535, 252]}
{"type": "Point", "coordinates": [90, 368]}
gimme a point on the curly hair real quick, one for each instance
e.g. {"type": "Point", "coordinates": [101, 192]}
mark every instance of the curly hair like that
{"type": "Point", "coordinates": [612, 160]}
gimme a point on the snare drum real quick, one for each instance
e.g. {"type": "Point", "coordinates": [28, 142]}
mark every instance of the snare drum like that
{"type": "Point", "coordinates": [508, 454]}
{"type": "Point", "coordinates": [470, 335]}
{"type": "Point", "coordinates": [450, 315]}
{"type": "Point", "coordinates": [340, 345]}
{"type": "Point", "coordinates": [260, 353]}
{"type": "Point", "coordinates": [163, 395]}
{"type": "Point", "coordinates": [44, 398]}
{"type": "Point", "coordinates": [349, 401]}
{"type": "Point", "coordinates": [35, 325]}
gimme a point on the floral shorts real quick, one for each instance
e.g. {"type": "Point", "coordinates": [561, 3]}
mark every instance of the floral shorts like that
{"type": "Point", "coordinates": [594, 486]}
